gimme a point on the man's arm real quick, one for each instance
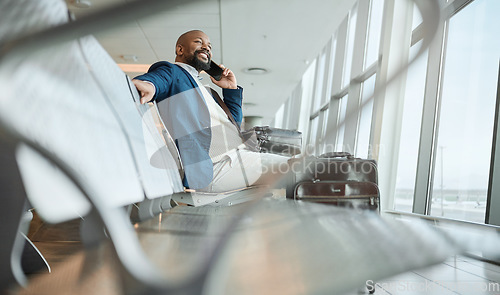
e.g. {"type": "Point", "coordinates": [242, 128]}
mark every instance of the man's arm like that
{"type": "Point", "coordinates": [233, 99]}
{"type": "Point", "coordinates": [155, 83]}
{"type": "Point", "coordinates": [232, 93]}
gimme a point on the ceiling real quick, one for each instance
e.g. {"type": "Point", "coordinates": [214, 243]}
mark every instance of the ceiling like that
{"type": "Point", "coordinates": [280, 36]}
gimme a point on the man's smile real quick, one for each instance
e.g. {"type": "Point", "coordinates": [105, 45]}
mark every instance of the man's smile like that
{"type": "Point", "coordinates": [204, 55]}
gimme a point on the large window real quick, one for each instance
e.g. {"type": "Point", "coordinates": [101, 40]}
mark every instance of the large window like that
{"type": "Point", "coordinates": [313, 133]}
{"type": "Point", "coordinates": [323, 147]}
{"type": "Point", "coordinates": [350, 46]}
{"type": "Point", "coordinates": [339, 145]}
{"type": "Point", "coordinates": [320, 80]}
{"type": "Point", "coordinates": [306, 100]}
{"type": "Point", "coordinates": [363, 147]}
{"type": "Point", "coordinates": [374, 32]}
{"type": "Point", "coordinates": [410, 131]}
{"type": "Point", "coordinates": [417, 18]}
{"type": "Point", "coordinates": [466, 119]}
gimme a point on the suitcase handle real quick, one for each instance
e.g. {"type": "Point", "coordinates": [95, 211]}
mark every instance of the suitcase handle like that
{"type": "Point", "coordinates": [337, 155]}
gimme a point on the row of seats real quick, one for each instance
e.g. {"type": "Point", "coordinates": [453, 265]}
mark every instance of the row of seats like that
{"type": "Point", "coordinates": [80, 137]}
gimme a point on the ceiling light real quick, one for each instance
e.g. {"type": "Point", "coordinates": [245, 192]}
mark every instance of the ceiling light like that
{"type": "Point", "coordinates": [130, 57]}
{"type": "Point", "coordinates": [82, 3]}
{"type": "Point", "coordinates": [134, 68]}
{"type": "Point", "coordinates": [255, 71]}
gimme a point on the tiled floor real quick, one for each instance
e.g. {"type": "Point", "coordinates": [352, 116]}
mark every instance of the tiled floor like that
{"type": "Point", "coordinates": [458, 275]}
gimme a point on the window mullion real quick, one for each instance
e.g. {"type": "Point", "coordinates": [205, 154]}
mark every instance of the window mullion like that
{"type": "Point", "coordinates": [353, 111]}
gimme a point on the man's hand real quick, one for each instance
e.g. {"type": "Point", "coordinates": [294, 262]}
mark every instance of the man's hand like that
{"type": "Point", "coordinates": [146, 90]}
{"type": "Point", "coordinates": [228, 79]}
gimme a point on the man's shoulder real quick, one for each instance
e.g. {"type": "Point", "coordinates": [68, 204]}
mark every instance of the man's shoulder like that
{"type": "Point", "coordinates": [159, 64]}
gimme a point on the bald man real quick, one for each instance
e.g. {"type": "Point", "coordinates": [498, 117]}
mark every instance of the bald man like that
{"type": "Point", "coordinates": [214, 155]}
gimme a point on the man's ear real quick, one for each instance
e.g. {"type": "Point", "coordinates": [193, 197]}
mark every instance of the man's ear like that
{"type": "Point", "coordinates": [179, 50]}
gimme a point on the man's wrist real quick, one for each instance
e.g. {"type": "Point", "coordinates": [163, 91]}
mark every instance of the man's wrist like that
{"type": "Point", "coordinates": [238, 88]}
{"type": "Point", "coordinates": [151, 83]}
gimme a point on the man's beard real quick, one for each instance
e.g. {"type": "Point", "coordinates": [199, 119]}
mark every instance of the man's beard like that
{"type": "Point", "coordinates": [198, 64]}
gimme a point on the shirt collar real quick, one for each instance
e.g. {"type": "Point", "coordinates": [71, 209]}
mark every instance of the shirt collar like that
{"type": "Point", "coordinates": [190, 69]}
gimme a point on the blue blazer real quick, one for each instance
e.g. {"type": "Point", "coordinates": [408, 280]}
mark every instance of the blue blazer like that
{"type": "Point", "coordinates": [184, 112]}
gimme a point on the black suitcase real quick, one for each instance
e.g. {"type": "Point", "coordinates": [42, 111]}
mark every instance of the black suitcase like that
{"type": "Point", "coordinates": [350, 194]}
{"type": "Point", "coordinates": [335, 178]}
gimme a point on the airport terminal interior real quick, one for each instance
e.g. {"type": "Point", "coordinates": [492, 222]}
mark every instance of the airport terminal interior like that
{"type": "Point", "coordinates": [93, 182]}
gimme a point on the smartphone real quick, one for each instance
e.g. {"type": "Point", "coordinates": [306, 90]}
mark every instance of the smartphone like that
{"type": "Point", "coordinates": [215, 71]}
